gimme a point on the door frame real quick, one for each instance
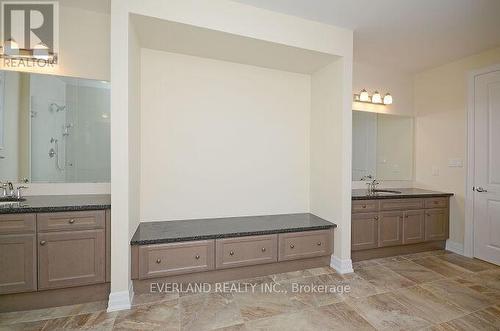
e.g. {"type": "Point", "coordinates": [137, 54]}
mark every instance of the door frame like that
{"type": "Point", "coordinates": [469, 194]}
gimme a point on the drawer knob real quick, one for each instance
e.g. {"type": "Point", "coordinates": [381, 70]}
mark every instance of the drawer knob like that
{"type": "Point", "coordinates": [231, 253]}
{"type": "Point", "coordinates": [319, 243]}
{"type": "Point", "coordinates": [364, 206]}
{"type": "Point", "coordinates": [292, 246]}
{"type": "Point", "coordinates": [158, 261]}
{"type": "Point", "coordinates": [71, 221]}
{"type": "Point", "coordinates": [263, 249]}
{"type": "Point", "coordinates": [43, 242]}
{"type": "Point", "coordinates": [197, 257]}
{"type": "Point", "coordinates": [376, 218]}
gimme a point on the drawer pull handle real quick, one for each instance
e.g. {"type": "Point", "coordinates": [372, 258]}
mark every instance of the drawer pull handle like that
{"type": "Point", "coordinates": [158, 261]}
{"type": "Point", "coordinates": [292, 246]}
{"type": "Point", "coordinates": [71, 221]}
{"type": "Point", "coordinates": [43, 242]}
{"type": "Point", "coordinates": [263, 249]}
{"type": "Point", "coordinates": [319, 243]}
{"type": "Point", "coordinates": [197, 257]}
{"type": "Point", "coordinates": [376, 218]}
{"type": "Point", "coordinates": [231, 253]}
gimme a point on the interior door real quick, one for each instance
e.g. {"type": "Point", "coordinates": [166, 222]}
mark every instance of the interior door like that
{"type": "Point", "coordinates": [487, 167]}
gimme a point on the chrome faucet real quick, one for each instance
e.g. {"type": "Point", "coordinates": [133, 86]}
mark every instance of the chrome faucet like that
{"type": "Point", "coordinates": [9, 192]}
{"type": "Point", "coordinates": [372, 186]}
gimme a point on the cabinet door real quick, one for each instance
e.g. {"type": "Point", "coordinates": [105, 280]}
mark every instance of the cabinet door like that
{"type": "Point", "coordinates": [390, 228]}
{"type": "Point", "coordinates": [414, 227]}
{"type": "Point", "coordinates": [436, 224]}
{"type": "Point", "coordinates": [67, 259]}
{"type": "Point", "coordinates": [364, 231]}
{"type": "Point", "coordinates": [17, 263]}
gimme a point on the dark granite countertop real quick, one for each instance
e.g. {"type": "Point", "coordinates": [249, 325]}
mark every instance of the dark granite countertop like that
{"type": "Point", "coordinates": [212, 228]}
{"type": "Point", "coordinates": [405, 193]}
{"type": "Point", "coordinates": [57, 203]}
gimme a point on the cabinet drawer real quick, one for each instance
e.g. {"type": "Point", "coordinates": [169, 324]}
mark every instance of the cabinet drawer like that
{"type": "Point", "coordinates": [17, 223]}
{"type": "Point", "coordinates": [401, 204]}
{"type": "Point", "coordinates": [238, 252]}
{"type": "Point", "coordinates": [176, 258]}
{"type": "Point", "coordinates": [301, 245]}
{"type": "Point", "coordinates": [436, 203]}
{"type": "Point", "coordinates": [79, 220]}
{"type": "Point", "coordinates": [365, 206]}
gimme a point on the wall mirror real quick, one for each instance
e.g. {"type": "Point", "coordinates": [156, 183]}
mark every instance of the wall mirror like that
{"type": "Point", "coordinates": [382, 146]}
{"type": "Point", "coordinates": [54, 129]}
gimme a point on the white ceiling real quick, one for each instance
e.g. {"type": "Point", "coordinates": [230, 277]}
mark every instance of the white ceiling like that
{"type": "Point", "coordinates": [409, 35]}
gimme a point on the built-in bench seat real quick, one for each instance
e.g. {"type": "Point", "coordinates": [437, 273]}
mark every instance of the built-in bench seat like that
{"type": "Point", "coordinates": [229, 248]}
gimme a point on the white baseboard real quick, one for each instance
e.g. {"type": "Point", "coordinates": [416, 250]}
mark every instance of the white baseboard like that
{"type": "Point", "coordinates": [454, 247]}
{"type": "Point", "coordinates": [121, 300]}
{"type": "Point", "coordinates": [342, 266]}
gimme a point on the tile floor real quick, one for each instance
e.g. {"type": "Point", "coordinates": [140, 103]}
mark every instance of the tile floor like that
{"type": "Point", "coordinates": [435, 290]}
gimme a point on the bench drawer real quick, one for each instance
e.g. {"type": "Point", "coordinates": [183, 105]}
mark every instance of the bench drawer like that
{"type": "Point", "coordinates": [364, 206]}
{"type": "Point", "coordinates": [176, 258]}
{"type": "Point", "coordinates": [78, 220]}
{"type": "Point", "coordinates": [17, 223]}
{"type": "Point", "coordinates": [401, 204]}
{"type": "Point", "coordinates": [436, 203]}
{"type": "Point", "coordinates": [301, 245]}
{"type": "Point", "coordinates": [244, 251]}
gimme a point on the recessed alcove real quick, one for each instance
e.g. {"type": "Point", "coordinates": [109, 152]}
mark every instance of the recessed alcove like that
{"type": "Point", "coordinates": [245, 115]}
{"type": "Point", "coordinates": [231, 125]}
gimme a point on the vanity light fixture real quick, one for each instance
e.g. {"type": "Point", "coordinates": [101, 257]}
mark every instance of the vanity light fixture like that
{"type": "Point", "coordinates": [40, 52]}
{"type": "Point", "coordinates": [376, 98]}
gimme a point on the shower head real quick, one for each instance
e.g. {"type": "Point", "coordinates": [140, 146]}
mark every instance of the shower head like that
{"type": "Point", "coordinates": [54, 106]}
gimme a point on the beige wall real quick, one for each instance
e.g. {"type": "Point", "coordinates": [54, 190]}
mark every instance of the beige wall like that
{"type": "Point", "coordinates": [84, 44]}
{"type": "Point", "coordinates": [221, 139]}
{"type": "Point", "coordinates": [441, 114]}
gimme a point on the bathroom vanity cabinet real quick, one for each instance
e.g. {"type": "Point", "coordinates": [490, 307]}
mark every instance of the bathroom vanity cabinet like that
{"type": "Point", "coordinates": [391, 225]}
{"type": "Point", "coordinates": [50, 257]}
{"type": "Point", "coordinates": [52, 250]}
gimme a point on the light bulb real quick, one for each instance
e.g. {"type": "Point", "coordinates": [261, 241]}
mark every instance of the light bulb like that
{"type": "Point", "coordinates": [363, 96]}
{"type": "Point", "coordinates": [11, 47]}
{"type": "Point", "coordinates": [388, 99]}
{"type": "Point", "coordinates": [376, 97]}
